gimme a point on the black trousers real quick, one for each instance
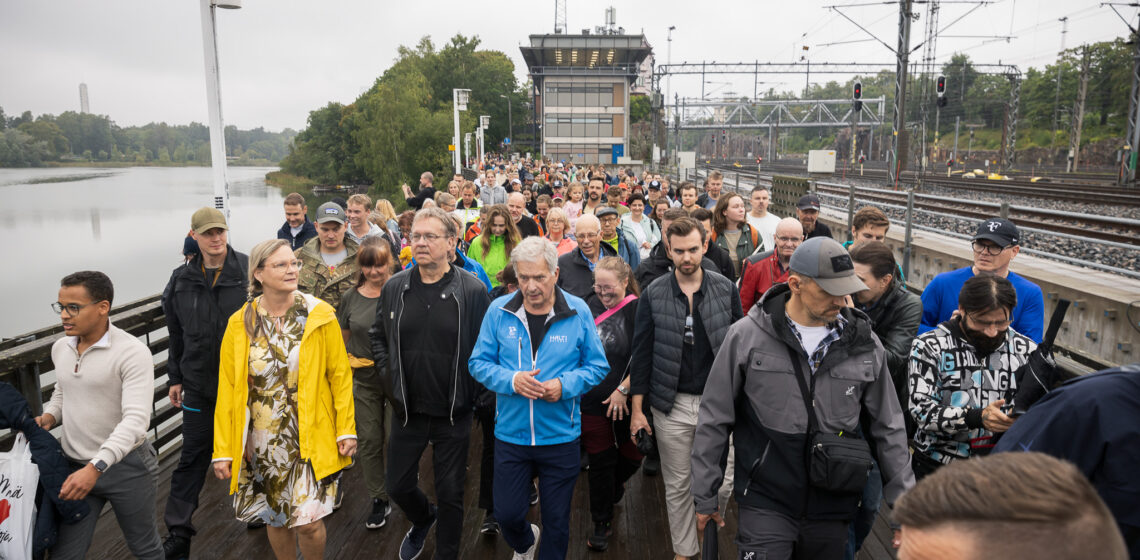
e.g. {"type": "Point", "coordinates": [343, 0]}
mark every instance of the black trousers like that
{"type": "Point", "coordinates": [485, 415]}
{"type": "Point", "coordinates": [449, 442]}
{"type": "Point", "coordinates": [190, 475]}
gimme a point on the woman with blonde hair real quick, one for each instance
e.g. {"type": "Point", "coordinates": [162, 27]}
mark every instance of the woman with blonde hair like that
{"type": "Point", "coordinates": [558, 231]}
{"type": "Point", "coordinates": [283, 379]}
{"type": "Point", "coordinates": [493, 247]}
{"type": "Point", "coordinates": [387, 214]}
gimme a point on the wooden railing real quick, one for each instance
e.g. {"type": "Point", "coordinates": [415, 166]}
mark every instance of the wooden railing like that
{"type": "Point", "coordinates": [25, 362]}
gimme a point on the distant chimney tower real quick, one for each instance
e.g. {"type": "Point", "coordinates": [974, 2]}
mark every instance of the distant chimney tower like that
{"type": "Point", "coordinates": [84, 106]}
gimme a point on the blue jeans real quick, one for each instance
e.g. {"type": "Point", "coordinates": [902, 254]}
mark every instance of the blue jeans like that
{"type": "Point", "coordinates": [557, 467]}
{"type": "Point", "coordinates": [864, 520]}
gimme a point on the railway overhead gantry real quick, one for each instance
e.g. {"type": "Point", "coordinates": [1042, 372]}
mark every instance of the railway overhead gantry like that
{"type": "Point", "coordinates": [824, 116]}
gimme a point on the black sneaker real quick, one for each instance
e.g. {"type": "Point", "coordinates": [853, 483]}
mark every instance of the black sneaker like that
{"type": "Point", "coordinates": [490, 525]}
{"type": "Point", "coordinates": [413, 543]}
{"type": "Point", "coordinates": [176, 547]}
{"type": "Point", "coordinates": [600, 540]}
{"type": "Point", "coordinates": [533, 493]}
{"type": "Point", "coordinates": [379, 515]}
{"type": "Point", "coordinates": [652, 466]}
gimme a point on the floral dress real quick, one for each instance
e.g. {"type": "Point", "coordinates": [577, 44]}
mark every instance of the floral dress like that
{"type": "Point", "coordinates": [276, 485]}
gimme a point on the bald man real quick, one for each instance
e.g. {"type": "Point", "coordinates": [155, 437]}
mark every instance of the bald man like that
{"type": "Point", "coordinates": [516, 205]}
{"type": "Point", "coordinates": [772, 270]}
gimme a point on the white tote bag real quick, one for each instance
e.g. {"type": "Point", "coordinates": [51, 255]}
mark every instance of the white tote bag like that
{"type": "Point", "coordinates": [19, 477]}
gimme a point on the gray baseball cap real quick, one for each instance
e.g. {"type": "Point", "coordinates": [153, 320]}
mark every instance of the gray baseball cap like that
{"type": "Point", "coordinates": [330, 212]}
{"type": "Point", "coordinates": [826, 261]}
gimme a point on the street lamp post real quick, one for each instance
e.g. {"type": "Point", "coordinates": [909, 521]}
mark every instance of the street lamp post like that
{"type": "Point", "coordinates": [510, 119]}
{"type": "Point", "coordinates": [484, 124]}
{"type": "Point", "coordinates": [668, 82]}
{"type": "Point", "coordinates": [459, 98]}
{"type": "Point", "coordinates": [467, 145]}
{"type": "Point", "coordinates": [214, 102]}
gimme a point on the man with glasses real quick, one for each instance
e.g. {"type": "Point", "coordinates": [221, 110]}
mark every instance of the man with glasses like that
{"type": "Point", "coordinates": [102, 400]}
{"type": "Point", "coordinates": [995, 245]}
{"type": "Point", "coordinates": [198, 301]}
{"type": "Point", "coordinates": [576, 268]}
{"type": "Point", "coordinates": [761, 275]}
{"type": "Point", "coordinates": [427, 321]}
{"type": "Point", "coordinates": [682, 319]}
{"type": "Point", "coordinates": [328, 261]}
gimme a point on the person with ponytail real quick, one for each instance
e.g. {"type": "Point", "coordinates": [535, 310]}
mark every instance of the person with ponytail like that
{"type": "Point", "coordinates": [492, 249]}
{"type": "Point", "coordinates": [283, 379]}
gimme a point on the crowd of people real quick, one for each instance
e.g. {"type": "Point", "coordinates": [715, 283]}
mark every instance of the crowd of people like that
{"type": "Point", "coordinates": [609, 321]}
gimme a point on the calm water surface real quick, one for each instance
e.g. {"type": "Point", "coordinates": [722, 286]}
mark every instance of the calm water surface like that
{"type": "Point", "coordinates": [128, 223]}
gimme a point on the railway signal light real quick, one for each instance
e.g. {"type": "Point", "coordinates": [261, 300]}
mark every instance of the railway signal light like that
{"type": "Point", "coordinates": [941, 89]}
{"type": "Point", "coordinates": [857, 95]}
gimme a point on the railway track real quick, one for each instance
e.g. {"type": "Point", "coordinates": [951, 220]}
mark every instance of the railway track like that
{"type": "Point", "coordinates": [1120, 231]}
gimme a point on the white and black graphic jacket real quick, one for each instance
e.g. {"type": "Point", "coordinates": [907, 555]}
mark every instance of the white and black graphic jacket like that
{"type": "Point", "coordinates": [950, 384]}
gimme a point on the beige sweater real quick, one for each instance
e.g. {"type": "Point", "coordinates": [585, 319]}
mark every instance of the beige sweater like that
{"type": "Point", "coordinates": [103, 399]}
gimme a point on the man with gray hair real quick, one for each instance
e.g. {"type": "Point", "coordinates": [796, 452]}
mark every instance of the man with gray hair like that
{"type": "Point", "coordinates": [539, 352]}
{"type": "Point", "coordinates": [426, 322]}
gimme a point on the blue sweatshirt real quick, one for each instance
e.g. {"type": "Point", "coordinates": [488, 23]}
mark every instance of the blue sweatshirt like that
{"type": "Point", "coordinates": [940, 300]}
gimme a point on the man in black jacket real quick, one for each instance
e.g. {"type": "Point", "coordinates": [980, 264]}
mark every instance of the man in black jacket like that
{"type": "Point", "coordinates": [682, 319]}
{"type": "Point", "coordinates": [894, 313]}
{"type": "Point", "coordinates": [576, 268]}
{"type": "Point", "coordinates": [297, 228]}
{"type": "Point", "coordinates": [658, 263]}
{"type": "Point", "coordinates": [427, 191]}
{"type": "Point", "coordinates": [198, 301]}
{"type": "Point", "coordinates": [427, 321]}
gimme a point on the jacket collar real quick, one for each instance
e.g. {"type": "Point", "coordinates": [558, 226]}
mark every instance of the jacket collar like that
{"type": "Point", "coordinates": [561, 308]}
{"type": "Point", "coordinates": [232, 270]}
{"type": "Point", "coordinates": [770, 311]}
{"type": "Point", "coordinates": [606, 250]}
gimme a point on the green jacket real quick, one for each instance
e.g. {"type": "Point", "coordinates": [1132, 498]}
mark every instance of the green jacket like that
{"type": "Point", "coordinates": [494, 260]}
{"type": "Point", "coordinates": [317, 280]}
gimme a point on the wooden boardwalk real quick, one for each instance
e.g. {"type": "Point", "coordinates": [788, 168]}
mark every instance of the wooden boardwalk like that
{"type": "Point", "coordinates": [641, 529]}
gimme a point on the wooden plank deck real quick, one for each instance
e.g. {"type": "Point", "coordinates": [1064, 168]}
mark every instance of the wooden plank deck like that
{"type": "Point", "coordinates": [641, 529]}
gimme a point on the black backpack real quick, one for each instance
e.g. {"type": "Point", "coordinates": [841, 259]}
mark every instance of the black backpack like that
{"type": "Point", "coordinates": [1040, 373]}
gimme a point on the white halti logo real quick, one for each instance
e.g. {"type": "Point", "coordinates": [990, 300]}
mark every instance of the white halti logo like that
{"type": "Point", "coordinates": [510, 332]}
{"type": "Point", "coordinates": [850, 391]}
{"type": "Point", "coordinates": [993, 226]}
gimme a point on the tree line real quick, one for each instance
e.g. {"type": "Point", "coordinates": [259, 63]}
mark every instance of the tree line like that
{"type": "Point", "coordinates": [28, 141]}
{"type": "Point", "coordinates": [402, 125]}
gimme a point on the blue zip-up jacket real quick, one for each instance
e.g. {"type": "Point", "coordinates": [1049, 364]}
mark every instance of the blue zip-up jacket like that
{"type": "Point", "coordinates": [570, 351]}
{"type": "Point", "coordinates": [308, 231]}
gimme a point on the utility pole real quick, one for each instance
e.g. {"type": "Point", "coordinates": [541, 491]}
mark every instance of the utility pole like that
{"type": "Point", "coordinates": [957, 123]}
{"type": "Point", "coordinates": [1133, 137]}
{"type": "Point", "coordinates": [1079, 111]}
{"type": "Point", "coordinates": [898, 140]}
{"type": "Point", "coordinates": [1057, 97]}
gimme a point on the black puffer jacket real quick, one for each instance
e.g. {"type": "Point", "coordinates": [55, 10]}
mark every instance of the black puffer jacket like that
{"type": "Point", "coordinates": [196, 316]}
{"type": "Point", "coordinates": [659, 333]}
{"type": "Point", "coordinates": [470, 295]}
{"type": "Point", "coordinates": [54, 470]}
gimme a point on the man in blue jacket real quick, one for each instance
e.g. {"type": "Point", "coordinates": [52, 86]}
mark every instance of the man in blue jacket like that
{"type": "Point", "coordinates": [297, 228]}
{"type": "Point", "coordinates": [539, 352]}
{"type": "Point", "coordinates": [995, 245]}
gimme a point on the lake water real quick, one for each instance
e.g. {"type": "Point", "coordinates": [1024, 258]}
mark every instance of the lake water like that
{"type": "Point", "coordinates": [128, 223]}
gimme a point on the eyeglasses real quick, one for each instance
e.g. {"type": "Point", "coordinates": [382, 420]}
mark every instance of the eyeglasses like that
{"type": "Point", "coordinates": [689, 338]}
{"type": "Point", "coordinates": [72, 309]}
{"type": "Point", "coordinates": [588, 235]}
{"type": "Point", "coordinates": [980, 248]}
{"type": "Point", "coordinates": [429, 237]}
{"type": "Point", "coordinates": [285, 266]}
{"type": "Point", "coordinates": [789, 240]}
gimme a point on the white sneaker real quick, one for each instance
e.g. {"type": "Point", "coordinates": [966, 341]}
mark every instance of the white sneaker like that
{"type": "Point", "coordinates": [529, 554]}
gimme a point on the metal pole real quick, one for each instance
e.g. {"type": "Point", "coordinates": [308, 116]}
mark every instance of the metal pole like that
{"type": "Point", "coordinates": [510, 122]}
{"type": "Point", "coordinates": [1133, 112]}
{"type": "Point", "coordinates": [899, 122]}
{"type": "Point", "coordinates": [214, 105]}
{"type": "Point", "coordinates": [850, 210]}
{"type": "Point", "coordinates": [1057, 97]}
{"type": "Point", "coordinates": [455, 141]}
{"type": "Point", "coordinates": [909, 238]}
{"type": "Point", "coordinates": [957, 123]}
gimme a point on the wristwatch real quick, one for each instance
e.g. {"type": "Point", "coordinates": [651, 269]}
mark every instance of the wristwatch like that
{"type": "Point", "coordinates": [623, 390]}
{"type": "Point", "coordinates": [100, 466]}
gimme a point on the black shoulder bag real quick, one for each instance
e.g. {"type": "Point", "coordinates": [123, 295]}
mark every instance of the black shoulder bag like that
{"type": "Point", "coordinates": [1040, 373]}
{"type": "Point", "coordinates": [835, 463]}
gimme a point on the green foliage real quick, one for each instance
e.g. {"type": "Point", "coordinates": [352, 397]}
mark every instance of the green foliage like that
{"type": "Point", "coordinates": [402, 125]}
{"type": "Point", "coordinates": [73, 136]}
{"type": "Point", "coordinates": [639, 109]}
{"type": "Point", "coordinates": [287, 181]}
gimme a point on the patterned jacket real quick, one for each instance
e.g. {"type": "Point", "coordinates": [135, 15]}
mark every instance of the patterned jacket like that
{"type": "Point", "coordinates": [318, 280]}
{"type": "Point", "coordinates": [950, 384]}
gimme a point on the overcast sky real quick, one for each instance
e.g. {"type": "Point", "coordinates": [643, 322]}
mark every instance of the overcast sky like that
{"type": "Point", "coordinates": [142, 60]}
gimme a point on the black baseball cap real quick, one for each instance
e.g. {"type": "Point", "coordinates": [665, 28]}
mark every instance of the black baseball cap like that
{"type": "Point", "coordinates": [557, 183]}
{"type": "Point", "coordinates": [808, 202]}
{"type": "Point", "coordinates": [998, 230]}
{"type": "Point", "coordinates": [655, 185]}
